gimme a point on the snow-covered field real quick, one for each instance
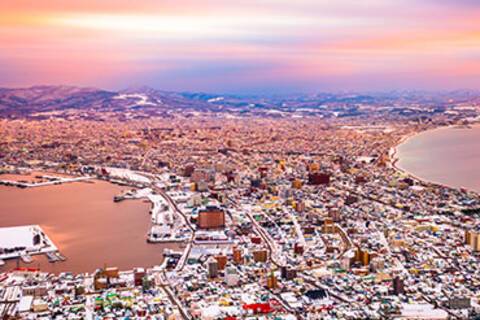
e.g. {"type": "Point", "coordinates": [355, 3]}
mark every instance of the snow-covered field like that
{"type": "Point", "coordinates": [127, 175]}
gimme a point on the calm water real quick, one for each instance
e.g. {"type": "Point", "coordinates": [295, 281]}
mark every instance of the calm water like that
{"type": "Point", "coordinates": [85, 224]}
{"type": "Point", "coordinates": [450, 156]}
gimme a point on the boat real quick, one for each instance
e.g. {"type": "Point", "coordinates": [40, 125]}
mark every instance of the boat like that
{"type": "Point", "coordinates": [52, 257]}
{"type": "Point", "coordinates": [26, 258]}
{"type": "Point", "coordinates": [60, 256]}
{"type": "Point", "coordinates": [118, 198]}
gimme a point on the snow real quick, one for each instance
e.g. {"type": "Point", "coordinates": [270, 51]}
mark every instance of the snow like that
{"type": "Point", "coordinates": [215, 99]}
{"type": "Point", "coordinates": [22, 236]}
{"type": "Point", "coordinates": [127, 175]}
{"type": "Point", "coordinates": [16, 237]}
{"type": "Point", "coordinates": [142, 99]}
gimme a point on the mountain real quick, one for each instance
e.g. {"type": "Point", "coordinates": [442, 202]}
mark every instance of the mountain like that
{"type": "Point", "coordinates": [38, 100]}
{"type": "Point", "coordinates": [26, 101]}
{"type": "Point", "coordinates": [41, 102]}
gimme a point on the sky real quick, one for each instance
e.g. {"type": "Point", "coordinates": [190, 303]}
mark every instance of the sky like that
{"type": "Point", "coordinates": [242, 46]}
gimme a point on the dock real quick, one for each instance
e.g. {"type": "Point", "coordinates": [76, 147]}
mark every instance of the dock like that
{"type": "Point", "coordinates": [51, 181]}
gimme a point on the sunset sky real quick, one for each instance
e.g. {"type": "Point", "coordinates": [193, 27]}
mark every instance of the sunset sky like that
{"type": "Point", "coordinates": [254, 46]}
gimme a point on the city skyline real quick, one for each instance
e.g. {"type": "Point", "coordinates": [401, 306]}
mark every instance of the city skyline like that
{"type": "Point", "coordinates": [243, 47]}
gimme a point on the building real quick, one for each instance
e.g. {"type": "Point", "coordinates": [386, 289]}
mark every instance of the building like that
{"type": "Point", "coordinates": [205, 175]}
{"type": "Point", "coordinates": [260, 255]}
{"type": "Point", "coordinates": [211, 217]}
{"type": "Point", "coordinates": [212, 266]}
{"type": "Point", "coordinates": [222, 261]}
{"type": "Point", "coordinates": [237, 256]}
{"type": "Point", "coordinates": [287, 273]}
{"type": "Point", "coordinates": [328, 226]}
{"type": "Point", "coordinates": [297, 184]}
{"type": "Point", "coordinates": [231, 277]}
{"type": "Point", "coordinates": [300, 206]}
{"type": "Point", "coordinates": [459, 303]}
{"type": "Point", "coordinates": [272, 282]}
{"type": "Point", "coordinates": [298, 249]}
{"type": "Point", "coordinates": [318, 178]}
{"type": "Point", "coordinates": [138, 275]}
{"type": "Point", "coordinates": [398, 286]}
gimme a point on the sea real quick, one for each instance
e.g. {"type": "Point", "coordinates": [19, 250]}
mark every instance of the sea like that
{"type": "Point", "coordinates": [447, 155]}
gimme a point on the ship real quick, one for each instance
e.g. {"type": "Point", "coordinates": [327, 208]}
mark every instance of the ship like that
{"type": "Point", "coordinates": [26, 258]}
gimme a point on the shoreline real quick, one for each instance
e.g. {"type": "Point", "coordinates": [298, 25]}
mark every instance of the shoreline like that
{"type": "Point", "coordinates": [49, 268]}
{"type": "Point", "coordinates": [393, 156]}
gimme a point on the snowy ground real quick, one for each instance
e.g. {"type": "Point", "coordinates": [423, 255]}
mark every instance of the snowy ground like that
{"type": "Point", "coordinates": [127, 175]}
{"type": "Point", "coordinates": [22, 236]}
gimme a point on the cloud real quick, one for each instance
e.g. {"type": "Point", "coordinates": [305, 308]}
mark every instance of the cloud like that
{"type": "Point", "coordinates": [242, 44]}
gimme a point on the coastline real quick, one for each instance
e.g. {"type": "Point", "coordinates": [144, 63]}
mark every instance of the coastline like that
{"type": "Point", "coordinates": [88, 268]}
{"type": "Point", "coordinates": [393, 157]}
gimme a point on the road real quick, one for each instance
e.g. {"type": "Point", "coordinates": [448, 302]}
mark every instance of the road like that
{"type": "Point", "coordinates": [172, 204]}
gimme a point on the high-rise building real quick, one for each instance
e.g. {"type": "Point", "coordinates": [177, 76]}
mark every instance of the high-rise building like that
{"type": "Point", "coordinates": [138, 275]}
{"type": "Point", "coordinates": [398, 286]}
{"type": "Point", "coordinates": [212, 266]}
{"type": "Point", "coordinates": [468, 237]}
{"type": "Point", "coordinates": [318, 178]}
{"type": "Point", "coordinates": [211, 217]}
{"type": "Point", "coordinates": [472, 239]}
{"type": "Point", "coordinates": [272, 282]}
{"type": "Point", "coordinates": [237, 256]}
{"type": "Point", "coordinates": [476, 244]}
{"type": "Point", "coordinates": [231, 276]}
{"type": "Point", "coordinates": [222, 261]}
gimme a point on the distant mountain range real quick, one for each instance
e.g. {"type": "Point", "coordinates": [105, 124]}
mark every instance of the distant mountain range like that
{"type": "Point", "coordinates": [43, 99]}
{"type": "Point", "coordinates": [48, 101]}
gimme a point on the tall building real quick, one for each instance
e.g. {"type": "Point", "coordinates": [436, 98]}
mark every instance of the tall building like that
{"type": "Point", "coordinates": [468, 237]}
{"type": "Point", "coordinates": [365, 257]}
{"type": "Point", "coordinates": [476, 244]}
{"type": "Point", "coordinates": [272, 282]}
{"type": "Point", "coordinates": [472, 238]}
{"type": "Point", "coordinates": [237, 256]}
{"type": "Point", "coordinates": [138, 275]}
{"type": "Point", "coordinates": [212, 266]}
{"type": "Point", "coordinates": [398, 286]}
{"type": "Point", "coordinates": [211, 217]}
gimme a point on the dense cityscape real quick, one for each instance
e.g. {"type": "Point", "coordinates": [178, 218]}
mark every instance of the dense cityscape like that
{"type": "Point", "coordinates": [239, 160]}
{"type": "Point", "coordinates": [282, 207]}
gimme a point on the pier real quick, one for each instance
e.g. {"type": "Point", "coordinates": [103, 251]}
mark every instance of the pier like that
{"type": "Point", "coordinates": [51, 181]}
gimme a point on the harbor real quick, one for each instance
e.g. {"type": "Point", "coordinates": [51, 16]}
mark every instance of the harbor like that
{"type": "Point", "coordinates": [83, 211]}
{"type": "Point", "coordinates": [21, 243]}
{"type": "Point", "coordinates": [45, 180]}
